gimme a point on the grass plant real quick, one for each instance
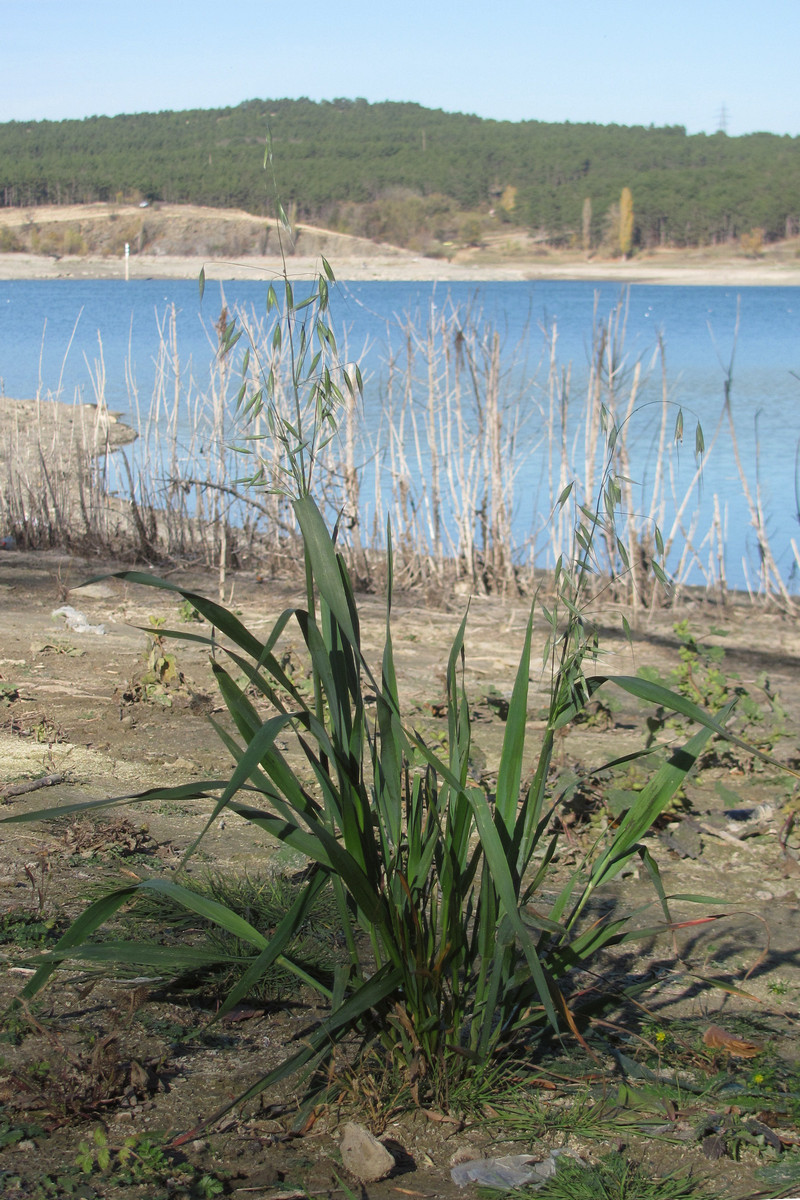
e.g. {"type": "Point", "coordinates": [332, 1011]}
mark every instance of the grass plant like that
{"type": "Point", "coordinates": [457, 930]}
{"type": "Point", "coordinates": [263, 901]}
{"type": "Point", "coordinates": [617, 1177]}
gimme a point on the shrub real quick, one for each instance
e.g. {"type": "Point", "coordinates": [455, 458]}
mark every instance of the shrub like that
{"type": "Point", "coordinates": [9, 240]}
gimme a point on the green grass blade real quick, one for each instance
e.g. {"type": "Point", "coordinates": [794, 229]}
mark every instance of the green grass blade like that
{"type": "Point", "coordinates": [201, 790]}
{"type": "Point", "coordinates": [205, 907]}
{"type": "Point", "coordinates": [656, 693]}
{"type": "Point", "coordinates": [650, 802]}
{"type": "Point", "coordinates": [90, 919]}
{"type": "Point", "coordinates": [324, 563]}
{"type": "Point", "coordinates": [655, 796]}
{"type": "Point", "coordinates": [503, 882]}
{"type": "Point", "coordinates": [167, 960]}
{"type": "Point", "coordinates": [510, 770]}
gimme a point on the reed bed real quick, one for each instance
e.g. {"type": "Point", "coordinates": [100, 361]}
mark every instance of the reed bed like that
{"type": "Point", "coordinates": [461, 443]}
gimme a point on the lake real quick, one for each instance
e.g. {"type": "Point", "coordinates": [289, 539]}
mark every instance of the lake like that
{"type": "Point", "coordinates": [51, 332]}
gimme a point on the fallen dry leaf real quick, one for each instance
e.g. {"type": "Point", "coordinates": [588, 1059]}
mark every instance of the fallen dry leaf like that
{"type": "Point", "coordinates": [717, 1039]}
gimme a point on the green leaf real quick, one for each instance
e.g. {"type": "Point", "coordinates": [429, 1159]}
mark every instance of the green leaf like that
{"type": "Point", "coordinates": [79, 932]}
{"type": "Point", "coordinates": [201, 790]}
{"type": "Point", "coordinates": [510, 771]}
{"type": "Point", "coordinates": [165, 959]}
{"type": "Point", "coordinates": [565, 494]}
{"type": "Point", "coordinates": [201, 281]}
{"type": "Point", "coordinates": [324, 563]}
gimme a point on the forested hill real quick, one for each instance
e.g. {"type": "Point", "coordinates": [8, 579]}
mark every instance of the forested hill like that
{"type": "Point", "coordinates": [385, 170]}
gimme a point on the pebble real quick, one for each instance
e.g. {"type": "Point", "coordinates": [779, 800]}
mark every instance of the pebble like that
{"type": "Point", "coordinates": [363, 1155]}
{"type": "Point", "coordinates": [95, 591]}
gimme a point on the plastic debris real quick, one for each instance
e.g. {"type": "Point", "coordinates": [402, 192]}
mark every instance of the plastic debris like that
{"type": "Point", "coordinates": [508, 1171]}
{"type": "Point", "coordinates": [76, 621]}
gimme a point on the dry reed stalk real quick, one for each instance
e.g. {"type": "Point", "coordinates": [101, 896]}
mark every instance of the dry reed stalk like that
{"type": "Point", "coordinates": [448, 451]}
{"type": "Point", "coordinates": [770, 584]}
{"type": "Point", "coordinates": [559, 383]}
{"type": "Point", "coordinates": [220, 402]}
{"type": "Point", "coordinates": [720, 533]}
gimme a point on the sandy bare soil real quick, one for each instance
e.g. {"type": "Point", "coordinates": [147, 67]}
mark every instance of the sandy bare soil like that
{"type": "Point", "coordinates": [70, 708]}
{"type": "Point", "coordinates": [184, 238]}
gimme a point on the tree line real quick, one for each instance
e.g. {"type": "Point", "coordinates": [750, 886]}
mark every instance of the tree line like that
{"type": "Point", "coordinates": [368, 168]}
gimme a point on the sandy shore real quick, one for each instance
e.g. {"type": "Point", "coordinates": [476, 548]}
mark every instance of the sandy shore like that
{"type": "Point", "coordinates": [383, 263]}
{"type": "Point", "coordinates": [183, 238]}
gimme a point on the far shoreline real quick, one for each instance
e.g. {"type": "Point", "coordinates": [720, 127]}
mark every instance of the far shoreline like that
{"type": "Point", "coordinates": [388, 264]}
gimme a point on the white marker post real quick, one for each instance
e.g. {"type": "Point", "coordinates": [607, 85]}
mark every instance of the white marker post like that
{"type": "Point", "coordinates": [127, 261]}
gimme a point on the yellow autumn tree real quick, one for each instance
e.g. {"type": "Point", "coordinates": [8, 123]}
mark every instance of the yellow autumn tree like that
{"type": "Point", "coordinates": [586, 223]}
{"type": "Point", "coordinates": [508, 200]}
{"type": "Point", "coordinates": [625, 222]}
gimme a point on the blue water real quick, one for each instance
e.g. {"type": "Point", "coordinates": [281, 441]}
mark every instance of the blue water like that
{"type": "Point", "coordinates": [49, 334]}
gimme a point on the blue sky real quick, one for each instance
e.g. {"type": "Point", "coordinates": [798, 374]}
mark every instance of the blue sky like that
{"type": "Point", "coordinates": [624, 61]}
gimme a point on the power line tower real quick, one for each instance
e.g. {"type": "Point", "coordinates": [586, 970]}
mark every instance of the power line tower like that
{"type": "Point", "coordinates": [722, 120]}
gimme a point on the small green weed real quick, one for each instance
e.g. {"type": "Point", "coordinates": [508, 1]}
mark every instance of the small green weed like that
{"type": "Point", "coordinates": [161, 671]}
{"type": "Point", "coordinates": [168, 1028]}
{"type": "Point", "coordinates": [139, 1160]}
{"type": "Point", "coordinates": [16, 1023]}
{"type": "Point", "coordinates": [28, 930]}
{"type": "Point", "coordinates": [9, 693]}
{"type": "Point", "coordinates": [527, 1113]}
{"type": "Point", "coordinates": [161, 677]}
{"type": "Point", "coordinates": [616, 1177]}
{"type": "Point", "coordinates": [782, 1178]}
{"type": "Point", "coordinates": [59, 647]}
{"type": "Point", "coordinates": [187, 612]}
{"type": "Point", "coordinates": [701, 676]}
{"type": "Point", "coordinates": [12, 1130]}
{"type": "Point", "coordinates": [97, 1155]}
{"type": "Point", "coordinates": [602, 797]}
{"type": "Point", "coordinates": [731, 1102]}
{"type": "Point", "coordinates": [52, 1186]}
